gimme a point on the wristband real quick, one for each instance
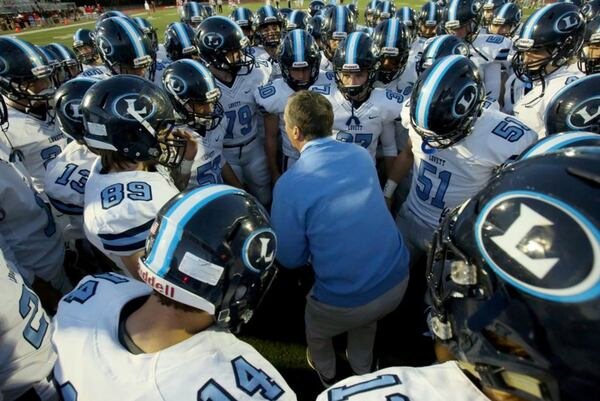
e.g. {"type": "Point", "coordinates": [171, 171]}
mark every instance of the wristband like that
{"type": "Point", "coordinates": [389, 188]}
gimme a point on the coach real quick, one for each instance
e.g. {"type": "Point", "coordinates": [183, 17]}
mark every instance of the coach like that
{"type": "Point", "coordinates": [329, 210]}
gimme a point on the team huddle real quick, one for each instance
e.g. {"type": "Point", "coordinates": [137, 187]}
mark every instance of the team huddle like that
{"type": "Point", "coordinates": [136, 179]}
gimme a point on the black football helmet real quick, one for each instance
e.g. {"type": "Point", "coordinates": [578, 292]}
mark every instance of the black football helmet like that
{"type": "Point", "coordinates": [591, 9]}
{"type": "Point", "coordinates": [84, 46]}
{"type": "Point", "coordinates": [26, 75]}
{"type": "Point", "coordinates": [179, 41]}
{"type": "Point", "coordinates": [441, 46]}
{"type": "Point", "coordinates": [299, 51]}
{"type": "Point", "coordinates": [506, 20]}
{"type": "Point", "coordinates": [576, 107]}
{"type": "Point", "coordinates": [369, 13]}
{"type": "Point", "coordinates": [212, 248]}
{"type": "Point", "coordinates": [244, 17]}
{"type": "Point", "coordinates": [269, 26]}
{"type": "Point", "coordinates": [315, 6]}
{"type": "Point", "coordinates": [353, 9]}
{"type": "Point", "coordinates": [315, 26]}
{"type": "Point", "coordinates": [356, 54]}
{"type": "Point", "coordinates": [129, 115]}
{"type": "Point", "coordinates": [285, 13]}
{"type": "Point", "coordinates": [557, 142]}
{"type": "Point", "coordinates": [488, 9]}
{"type": "Point", "coordinates": [191, 85]}
{"type": "Point", "coordinates": [463, 14]}
{"type": "Point", "coordinates": [193, 14]}
{"type": "Point", "coordinates": [429, 20]}
{"type": "Point", "coordinates": [557, 29]}
{"type": "Point", "coordinates": [589, 55]}
{"type": "Point", "coordinates": [124, 48]}
{"type": "Point", "coordinates": [148, 30]}
{"type": "Point", "coordinates": [391, 42]}
{"type": "Point", "coordinates": [111, 14]}
{"type": "Point", "coordinates": [384, 11]}
{"type": "Point", "coordinates": [68, 64]}
{"type": "Point", "coordinates": [513, 278]}
{"type": "Point", "coordinates": [67, 103]}
{"type": "Point", "coordinates": [297, 20]}
{"type": "Point", "coordinates": [446, 100]}
{"type": "Point", "coordinates": [338, 23]}
{"type": "Point", "coordinates": [407, 16]}
{"type": "Point", "coordinates": [223, 45]}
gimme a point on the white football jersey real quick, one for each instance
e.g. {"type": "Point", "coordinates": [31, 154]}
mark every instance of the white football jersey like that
{"type": "Point", "coordinates": [265, 61]}
{"type": "Point", "coordinates": [119, 209]}
{"type": "Point", "coordinates": [95, 71]}
{"type": "Point", "coordinates": [35, 141]}
{"type": "Point", "coordinates": [325, 65]}
{"type": "Point", "coordinates": [27, 225]}
{"type": "Point", "coordinates": [490, 54]}
{"type": "Point", "coordinates": [272, 99]}
{"type": "Point", "coordinates": [239, 104]}
{"type": "Point", "coordinates": [64, 184]}
{"type": "Point", "coordinates": [211, 365]}
{"type": "Point", "coordinates": [403, 84]}
{"type": "Point", "coordinates": [416, 50]}
{"type": "Point", "coordinates": [373, 121]}
{"type": "Point", "coordinates": [446, 178]}
{"type": "Point", "coordinates": [209, 160]}
{"type": "Point", "coordinates": [531, 107]}
{"type": "Point", "coordinates": [26, 356]}
{"type": "Point", "coordinates": [429, 383]}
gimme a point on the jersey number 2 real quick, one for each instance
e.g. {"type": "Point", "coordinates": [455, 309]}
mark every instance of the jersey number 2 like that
{"type": "Point", "coordinates": [29, 305]}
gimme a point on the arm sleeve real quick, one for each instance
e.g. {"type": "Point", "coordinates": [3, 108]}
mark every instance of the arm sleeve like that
{"type": "Point", "coordinates": [388, 139]}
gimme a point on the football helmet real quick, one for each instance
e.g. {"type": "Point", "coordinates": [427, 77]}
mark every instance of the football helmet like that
{"type": "Point", "coordinates": [369, 13]}
{"type": "Point", "coordinates": [315, 25]}
{"type": "Point", "coordinates": [355, 54]}
{"type": "Point", "coordinates": [110, 14]}
{"type": "Point", "coordinates": [488, 10]}
{"type": "Point", "coordinates": [429, 20]}
{"type": "Point", "coordinates": [244, 17]}
{"type": "Point", "coordinates": [68, 65]}
{"type": "Point", "coordinates": [513, 278]}
{"type": "Point", "coordinates": [446, 101]}
{"type": "Point", "coordinates": [506, 20]}
{"type": "Point", "coordinates": [84, 47]}
{"type": "Point", "coordinates": [297, 20]}
{"type": "Point", "coordinates": [391, 42]}
{"type": "Point", "coordinates": [384, 11]}
{"type": "Point", "coordinates": [193, 14]}
{"type": "Point", "coordinates": [179, 41]}
{"type": "Point", "coordinates": [589, 55]}
{"type": "Point", "coordinates": [26, 75]}
{"type": "Point", "coordinates": [124, 48]}
{"type": "Point", "coordinates": [441, 46]}
{"type": "Point", "coordinates": [285, 13]}
{"type": "Point", "coordinates": [353, 9]}
{"type": "Point", "coordinates": [550, 37]}
{"type": "Point", "coordinates": [148, 30]}
{"type": "Point", "coordinates": [407, 16]}
{"type": "Point", "coordinates": [212, 248]}
{"type": "Point", "coordinates": [299, 51]}
{"type": "Point", "coordinates": [315, 6]}
{"type": "Point", "coordinates": [576, 107]}
{"type": "Point", "coordinates": [462, 19]}
{"type": "Point", "coordinates": [67, 103]}
{"type": "Point", "coordinates": [191, 87]}
{"type": "Point", "coordinates": [129, 115]}
{"type": "Point", "coordinates": [338, 23]}
{"type": "Point", "coordinates": [223, 45]}
{"type": "Point", "coordinates": [269, 26]}
{"type": "Point", "coordinates": [560, 141]}
{"type": "Point", "coordinates": [591, 9]}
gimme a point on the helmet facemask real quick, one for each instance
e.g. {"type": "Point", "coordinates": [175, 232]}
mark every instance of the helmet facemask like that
{"type": "Point", "coordinates": [86, 54]}
{"type": "Point", "coordinates": [171, 148]}
{"type": "Point", "coordinates": [392, 65]}
{"type": "Point", "coordinates": [589, 56]}
{"type": "Point", "coordinates": [270, 33]}
{"type": "Point", "coordinates": [204, 116]}
{"type": "Point", "coordinates": [357, 90]}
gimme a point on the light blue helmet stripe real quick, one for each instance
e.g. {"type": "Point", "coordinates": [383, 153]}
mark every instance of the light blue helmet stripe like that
{"type": "Point", "coordinates": [340, 24]}
{"type": "Point", "coordinates": [393, 25]}
{"type": "Point", "coordinates": [432, 11]}
{"type": "Point", "coordinates": [293, 15]}
{"type": "Point", "coordinates": [133, 35]}
{"type": "Point", "coordinates": [434, 47]}
{"type": "Point", "coordinates": [386, 7]}
{"type": "Point", "coordinates": [405, 15]}
{"type": "Point", "coordinates": [352, 47]}
{"type": "Point", "coordinates": [452, 10]}
{"type": "Point", "coordinates": [429, 88]}
{"type": "Point", "coordinates": [174, 221]}
{"type": "Point", "coordinates": [196, 9]}
{"type": "Point", "coordinates": [64, 53]}
{"type": "Point", "coordinates": [558, 141]}
{"type": "Point", "coordinates": [269, 11]}
{"type": "Point", "coordinates": [28, 49]}
{"type": "Point", "coordinates": [504, 10]}
{"type": "Point", "coordinates": [298, 45]}
{"type": "Point", "coordinates": [183, 35]}
{"type": "Point", "coordinates": [533, 20]}
{"type": "Point", "coordinates": [48, 55]}
{"type": "Point", "coordinates": [206, 74]}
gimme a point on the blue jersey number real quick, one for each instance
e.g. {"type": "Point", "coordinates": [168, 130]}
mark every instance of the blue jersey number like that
{"type": "Point", "coordinates": [50, 226]}
{"type": "Point", "coordinates": [510, 129]}
{"type": "Point", "coordinates": [322, 89]}
{"type": "Point", "coordinates": [363, 140]}
{"type": "Point", "coordinates": [424, 191]}
{"type": "Point", "coordinates": [76, 185]}
{"type": "Point", "coordinates": [210, 173]}
{"type": "Point", "coordinates": [344, 393]}
{"type": "Point", "coordinates": [88, 289]}
{"type": "Point", "coordinates": [266, 91]}
{"type": "Point", "coordinates": [28, 306]}
{"type": "Point", "coordinates": [136, 191]}
{"type": "Point", "coordinates": [243, 116]}
{"type": "Point", "coordinates": [50, 153]}
{"type": "Point", "coordinates": [212, 391]}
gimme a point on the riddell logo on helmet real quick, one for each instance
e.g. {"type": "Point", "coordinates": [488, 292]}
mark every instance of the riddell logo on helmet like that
{"type": "Point", "coordinates": [157, 284]}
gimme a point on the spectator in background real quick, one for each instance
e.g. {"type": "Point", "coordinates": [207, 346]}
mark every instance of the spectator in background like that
{"type": "Point", "coordinates": [220, 5]}
{"type": "Point", "coordinates": [329, 210]}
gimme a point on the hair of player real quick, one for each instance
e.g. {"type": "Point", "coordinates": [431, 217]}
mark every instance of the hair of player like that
{"type": "Point", "coordinates": [311, 112]}
{"type": "Point", "coordinates": [114, 160]}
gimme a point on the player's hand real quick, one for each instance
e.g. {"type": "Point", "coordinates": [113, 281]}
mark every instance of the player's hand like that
{"type": "Point", "coordinates": [191, 147]}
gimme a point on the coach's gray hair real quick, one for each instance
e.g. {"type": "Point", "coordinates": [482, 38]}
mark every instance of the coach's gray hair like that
{"type": "Point", "coordinates": [311, 112]}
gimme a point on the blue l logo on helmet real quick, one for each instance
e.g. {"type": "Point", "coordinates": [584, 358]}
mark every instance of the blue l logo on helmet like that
{"type": "Point", "coordinates": [213, 40]}
{"type": "Point", "coordinates": [258, 251]}
{"type": "Point", "coordinates": [585, 115]}
{"type": "Point", "coordinates": [568, 22]}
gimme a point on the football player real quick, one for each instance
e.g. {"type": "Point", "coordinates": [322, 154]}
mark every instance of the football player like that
{"type": "Point", "coordinates": [391, 42]}
{"type": "Point", "coordinates": [506, 20]}
{"type": "Point", "coordinates": [315, 6]}
{"type": "Point", "coordinates": [542, 57]}
{"type": "Point", "coordinates": [244, 17]}
{"type": "Point", "coordinates": [429, 22]}
{"type": "Point", "coordinates": [499, 274]}
{"type": "Point", "coordinates": [299, 57]}
{"type": "Point", "coordinates": [269, 27]}
{"type": "Point", "coordinates": [488, 10]}
{"type": "Point", "coordinates": [85, 50]}
{"type": "Point", "coordinates": [195, 95]}
{"type": "Point", "coordinates": [589, 56]}
{"type": "Point", "coordinates": [68, 65]}
{"type": "Point", "coordinates": [223, 47]}
{"type": "Point", "coordinates": [407, 16]}
{"type": "Point", "coordinates": [179, 42]}
{"type": "Point", "coordinates": [384, 10]}
{"type": "Point", "coordinates": [128, 122]}
{"type": "Point", "coordinates": [338, 23]}
{"type": "Point", "coordinates": [26, 354]}
{"type": "Point", "coordinates": [193, 14]}
{"type": "Point", "coordinates": [369, 13]}
{"type": "Point", "coordinates": [297, 20]}
{"type": "Point", "coordinates": [315, 27]}
{"type": "Point", "coordinates": [208, 262]}
{"type": "Point", "coordinates": [28, 83]}
{"type": "Point", "coordinates": [455, 145]}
